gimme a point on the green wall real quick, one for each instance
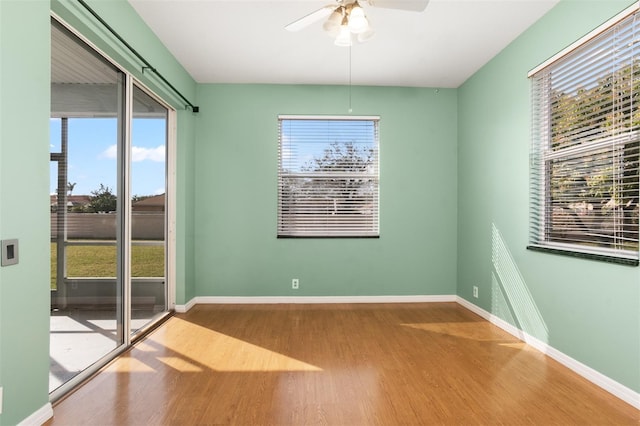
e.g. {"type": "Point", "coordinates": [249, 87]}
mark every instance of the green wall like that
{"type": "Point", "coordinates": [236, 249]}
{"type": "Point", "coordinates": [24, 179]}
{"type": "Point", "coordinates": [453, 197]}
{"type": "Point", "coordinates": [586, 309]}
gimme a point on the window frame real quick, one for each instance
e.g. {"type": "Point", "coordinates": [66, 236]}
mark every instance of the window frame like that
{"type": "Point", "coordinates": [313, 222]}
{"type": "Point", "coordinates": [545, 155]}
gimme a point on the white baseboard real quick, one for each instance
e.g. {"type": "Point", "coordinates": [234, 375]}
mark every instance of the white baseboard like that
{"type": "Point", "coordinates": [40, 417]}
{"type": "Point", "coordinates": [497, 321]}
{"type": "Point", "coordinates": [617, 389]}
{"type": "Point", "coordinates": [267, 300]}
{"type": "Point", "coordinates": [181, 309]}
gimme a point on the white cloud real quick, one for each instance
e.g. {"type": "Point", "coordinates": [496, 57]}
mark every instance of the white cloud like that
{"type": "Point", "coordinates": [152, 154]}
{"type": "Point", "coordinates": [138, 153]}
{"type": "Point", "coordinates": [111, 152]}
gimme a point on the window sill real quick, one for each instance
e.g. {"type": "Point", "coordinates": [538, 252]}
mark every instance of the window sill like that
{"type": "Point", "coordinates": [583, 255]}
{"type": "Point", "coordinates": [328, 236]}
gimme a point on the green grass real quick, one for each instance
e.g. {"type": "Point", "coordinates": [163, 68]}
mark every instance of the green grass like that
{"type": "Point", "coordinates": [100, 262]}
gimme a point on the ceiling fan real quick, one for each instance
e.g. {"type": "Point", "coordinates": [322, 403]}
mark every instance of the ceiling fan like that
{"type": "Point", "coordinates": [346, 18]}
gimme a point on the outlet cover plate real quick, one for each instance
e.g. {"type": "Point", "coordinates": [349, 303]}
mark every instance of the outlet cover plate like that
{"type": "Point", "coordinates": [9, 252]}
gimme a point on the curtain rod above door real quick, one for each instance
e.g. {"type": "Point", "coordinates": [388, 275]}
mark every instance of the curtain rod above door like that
{"type": "Point", "coordinates": [147, 65]}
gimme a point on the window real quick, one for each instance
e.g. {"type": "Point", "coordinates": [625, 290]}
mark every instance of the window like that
{"type": "Point", "coordinates": [328, 176]}
{"type": "Point", "coordinates": [585, 144]}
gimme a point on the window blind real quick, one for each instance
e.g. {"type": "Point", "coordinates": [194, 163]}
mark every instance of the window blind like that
{"type": "Point", "coordinates": [585, 147]}
{"type": "Point", "coordinates": [328, 176]}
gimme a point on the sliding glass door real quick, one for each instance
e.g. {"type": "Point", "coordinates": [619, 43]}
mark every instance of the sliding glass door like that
{"type": "Point", "coordinates": [148, 208]}
{"type": "Point", "coordinates": [87, 116]}
{"type": "Point", "coordinates": [108, 214]}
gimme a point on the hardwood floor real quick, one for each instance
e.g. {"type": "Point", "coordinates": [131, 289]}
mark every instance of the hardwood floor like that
{"type": "Point", "coordinates": [384, 364]}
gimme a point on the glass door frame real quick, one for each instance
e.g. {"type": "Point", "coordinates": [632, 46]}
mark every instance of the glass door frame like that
{"type": "Point", "coordinates": [170, 207]}
{"type": "Point", "coordinates": [124, 218]}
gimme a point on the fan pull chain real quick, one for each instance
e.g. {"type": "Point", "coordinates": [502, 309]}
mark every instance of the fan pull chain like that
{"type": "Point", "coordinates": [350, 109]}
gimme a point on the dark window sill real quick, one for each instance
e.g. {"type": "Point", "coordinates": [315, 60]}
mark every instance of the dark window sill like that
{"type": "Point", "coordinates": [582, 255]}
{"type": "Point", "coordinates": [328, 236]}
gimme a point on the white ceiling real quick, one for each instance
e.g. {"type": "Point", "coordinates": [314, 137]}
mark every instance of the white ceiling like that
{"type": "Point", "coordinates": [244, 41]}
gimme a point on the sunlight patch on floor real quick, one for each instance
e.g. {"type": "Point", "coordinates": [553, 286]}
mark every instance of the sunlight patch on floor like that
{"type": "Point", "coordinates": [143, 346]}
{"type": "Point", "coordinates": [520, 346]}
{"type": "Point", "coordinates": [128, 364]}
{"type": "Point", "coordinates": [221, 352]}
{"type": "Point", "coordinates": [476, 330]}
{"type": "Point", "coordinates": [180, 364]}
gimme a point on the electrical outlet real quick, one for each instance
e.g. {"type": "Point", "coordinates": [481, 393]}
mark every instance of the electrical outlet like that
{"type": "Point", "coordinates": [475, 291]}
{"type": "Point", "coordinates": [295, 283]}
{"type": "Point", "coordinates": [1, 400]}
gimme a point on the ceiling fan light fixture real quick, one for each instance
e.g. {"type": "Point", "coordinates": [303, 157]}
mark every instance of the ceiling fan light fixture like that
{"type": "Point", "coordinates": [366, 36]}
{"type": "Point", "coordinates": [344, 37]}
{"type": "Point", "coordinates": [347, 19]}
{"type": "Point", "coordinates": [357, 20]}
{"type": "Point", "coordinates": [332, 24]}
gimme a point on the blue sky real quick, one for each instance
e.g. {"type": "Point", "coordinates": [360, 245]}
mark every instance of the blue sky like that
{"type": "Point", "coordinates": [92, 150]}
{"type": "Point", "coordinates": [92, 154]}
{"type": "Point", "coordinates": [304, 140]}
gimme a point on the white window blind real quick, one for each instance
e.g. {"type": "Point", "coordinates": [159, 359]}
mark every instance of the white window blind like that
{"type": "Point", "coordinates": [585, 145]}
{"type": "Point", "coordinates": [328, 176]}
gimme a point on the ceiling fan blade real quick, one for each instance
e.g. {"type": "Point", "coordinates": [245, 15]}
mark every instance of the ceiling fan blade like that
{"type": "Point", "coordinates": [411, 5]}
{"type": "Point", "coordinates": [305, 21]}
